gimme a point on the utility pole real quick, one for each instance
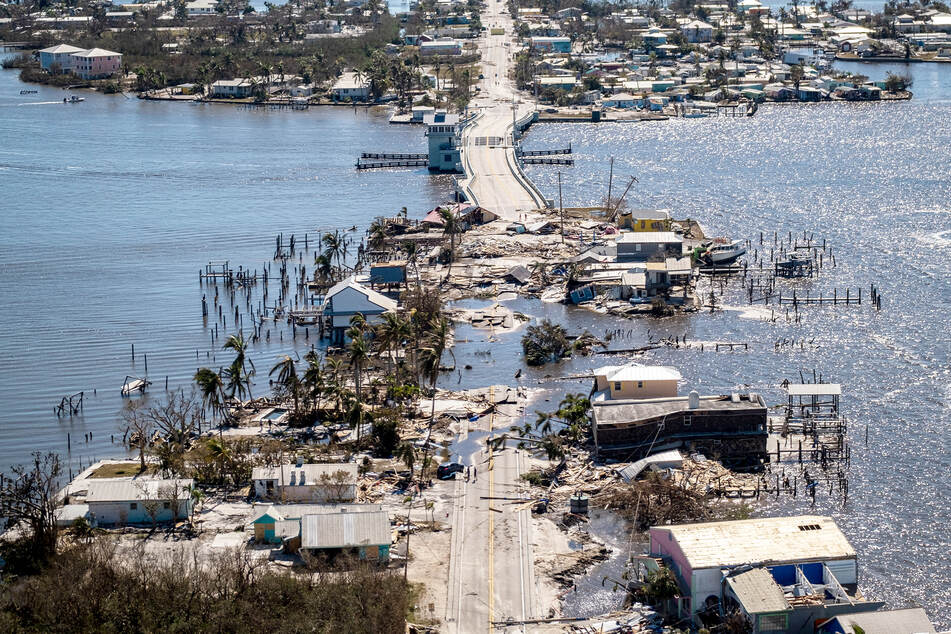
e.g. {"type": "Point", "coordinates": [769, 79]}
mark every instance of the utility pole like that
{"type": "Point", "coordinates": [561, 210]}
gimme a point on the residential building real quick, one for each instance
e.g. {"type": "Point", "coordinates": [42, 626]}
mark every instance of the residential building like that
{"type": "Point", "coordinates": [444, 46]}
{"type": "Point", "coordinates": [551, 44]}
{"type": "Point", "coordinates": [269, 518]}
{"type": "Point", "coordinates": [646, 245]}
{"type": "Point", "coordinates": [197, 8]}
{"type": "Point", "coordinates": [646, 220]}
{"type": "Point", "coordinates": [59, 58]}
{"type": "Point", "coordinates": [697, 31]}
{"type": "Point", "coordinates": [783, 574]}
{"type": "Point", "coordinates": [350, 87]}
{"type": "Point", "coordinates": [637, 381]}
{"type": "Point", "coordinates": [366, 535]}
{"type": "Point", "coordinates": [96, 63]}
{"type": "Point", "coordinates": [138, 501]}
{"type": "Point", "coordinates": [348, 298]}
{"type": "Point", "coordinates": [444, 132]}
{"type": "Point", "coordinates": [315, 483]}
{"type": "Point", "coordinates": [730, 426]}
{"type": "Point", "coordinates": [232, 89]}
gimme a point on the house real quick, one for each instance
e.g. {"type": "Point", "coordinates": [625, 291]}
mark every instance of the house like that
{"type": "Point", "coordinates": [348, 298]}
{"type": "Point", "coordinates": [58, 59]}
{"type": "Point", "coordinates": [551, 44]}
{"type": "Point", "coordinates": [269, 518]}
{"type": "Point", "coordinates": [445, 46]}
{"type": "Point", "coordinates": [197, 8]}
{"type": "Point", "coordinates": [232, 89]}
{"type": "Point", "coordinates": [653, 38]}
{"type": "Point", "coordinates": [366, 535]}
{"type": "Point", "coordinates": [731, 426]}
{"type": "Point", "coordinates": [140, 501]}
{"type": "Point", "coordinates": [350, 87]}
{"type": "Point", "coordinates": [644, 245]}
{"type": "Point", "coordinates": [623, 100]}
{"type": "Point", "coordinates": [697, 31]}
{"type": "Point", "coordinates": [96, 63]}
{"type": "Point", "coordinates": [783, 574]}
{"type": "Point", "coordinates": [647, 220]}
{"type": "Point", "coordinates": [636, 381]}
{"type": "Point", "coordinates": [444, 132]}
{"type": "Point", "coordinates": [315, 483]}
{"type": "Point", "coordinates": [419, 113]}
{"type": "Point", "coordinates": [392, 272]}
{"type": "Point", "coordinates": [907, 621]}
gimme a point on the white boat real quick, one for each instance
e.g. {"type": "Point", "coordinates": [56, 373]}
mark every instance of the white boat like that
{"type": "Point", "coordinates": [133, 384]}
{"type": "Point", "coordinates": [725, 252]}
{"type": "Point", "coordinates": [695, 113]}
{"type": "Point", "coordinates": [73, 99]}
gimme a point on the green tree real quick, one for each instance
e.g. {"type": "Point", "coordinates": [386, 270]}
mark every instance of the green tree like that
{"type": "Point", "coordinates": [287, 378]}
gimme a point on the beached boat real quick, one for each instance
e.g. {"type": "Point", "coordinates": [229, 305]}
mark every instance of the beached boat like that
{"type": "Point", "coordinates": [724, 252]}
{"type": "Point", "coordinates": [133, 384]}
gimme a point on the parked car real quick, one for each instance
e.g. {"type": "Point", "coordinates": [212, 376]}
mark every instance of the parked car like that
{"type": "Point", "coordinates": [449, 470]}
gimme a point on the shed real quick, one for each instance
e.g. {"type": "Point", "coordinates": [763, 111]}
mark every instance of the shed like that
{"type": "Point", "coordinates": [366, 533]}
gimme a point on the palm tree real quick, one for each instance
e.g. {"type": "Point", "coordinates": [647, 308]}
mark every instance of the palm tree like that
{"type": "Point", "coordinates": [314, 380]}
{"type": "Point", "coordinates": [377, 234]}
{"type": "Point", "coordinates": [212, 390]}
{"type": "Point", "coordinates": [334, 247]}
{"type": "Point", "coordinates": [407, 453]}
{"type": "Point", "coordinates": [391, 333]}
{"type": "Point", "coordinates": [450, 227]}
{"type": "Point", "coordinates": [412, 257]}
{"type": "Point", "coordinates": [239, 374]}
{"type": "Point", "coordinates": [220, 454]}
{"type": "Point", "coordinates": [287, 378]}
{"type": "Point", "coordinates": [358, 354]}
{"type": "Point", "coordinates": [437, 343]}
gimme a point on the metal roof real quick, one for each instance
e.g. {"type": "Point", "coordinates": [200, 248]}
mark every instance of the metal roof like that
{"type": "Point", "coordinates": [138, 489]}
{"type": "Point", "coordinates": [296, 511]}
{"type": "Point", "coordinates": [644, 237]}
{"type": "Point", "coordinates": [814, 389]}
{"type": "Point", "coordinates": [638, 372]}
{"type": "Point", "coordinates": [345, 530]}
{"type": "Point", "coordinates": [907, 621]}
{"type": "Point", "coordinates": [624, 411]}
{"type": "Point", "coordinates": [758, 592]}
{"type": "Point", "coordinates": [312, 473]}
{"type": "Point", "coordinates": [663, 460]}
{"type": "Point", "coordinates": [771, 540]}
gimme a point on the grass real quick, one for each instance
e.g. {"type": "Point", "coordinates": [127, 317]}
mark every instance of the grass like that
{"type": "Point", "coordinates": [120, 470]}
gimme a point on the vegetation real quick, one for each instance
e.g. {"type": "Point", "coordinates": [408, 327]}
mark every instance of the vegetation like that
{"type": "Point", "coordinates": [545, 343]}
{"type": "Point", "coordinates": [28, 500]}
{"type": "Point", "coordinates": [233, 592]}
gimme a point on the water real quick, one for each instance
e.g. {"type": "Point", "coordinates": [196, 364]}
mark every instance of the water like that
{"type": "Point", "coordinates": [111, 206]}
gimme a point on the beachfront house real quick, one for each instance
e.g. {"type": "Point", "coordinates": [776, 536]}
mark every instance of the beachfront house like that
{"type": "Point", "coordinates": [697, 32]}
{"type": "Point", "coordinates": [59, 58]}
{"type": "Point", "coordinates": [232, 89]}
{"type": "Point", "coordinates": [348, 298]}
{"type": "Point", "coordinates": [314, 483]}
{"type": "Point", "coordinates": [551, 44]}
{"type": "Point", "coordinates": [645, 220]}
{"type": "Point", "coordinates": [730, 426]}
{"type": "Point", "coordinates": [443, 132]}
{"type": "Point", "coordinates": [95, 63]}
{"type": "Point", "coordinates": [635, 380]}
{"type": "Point", "coordinates": [350, 87]}
{"type": "Point", "coordinates": [645, 245]}
{"type": "Point", "coordinates": [138, 501]}
{"type": "Point", "coordinates": [783, 574]}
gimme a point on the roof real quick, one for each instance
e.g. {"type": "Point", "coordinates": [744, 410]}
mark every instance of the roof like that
{"type": "Point", "coordinates": [343, 530]}
{"type": "Point", "coordinates": [62, 48]}
{"type": "Point", "coordinates": [435, 218]}
{"type": "Point", "coordinates": [771, 540]}
{"type": "Point", "coordinates": [643, 237]}
{"type": "Point", "coordinates": [379, 299]}
{"type": "Point", "coordinates": [626, 411]}
{"type": "Point", "coordinates": [97, 52]}
{"type": "Point", "coordinates": [648, 214]}
{"type": "Point", "coordinates": [520, 273]}
{"type": "Point", "coordinates": [350, 81]}
{"type": "Point", "coordinates": [281, 512]}
{"type": "Point", "coordinates": [312, 473]}
{"type": "Point", "coordinates": [907, 621]}
{"type": "Point", "coordinates": [138, 489]}
{"type": "Point", "coordinates": [814, 389]}
{"type": "Point", "coordinates": [638, 372]}
{"type": "Point", "coordinates": [663, 460]}
{"type": "Point", "coordinates": [758, 592]}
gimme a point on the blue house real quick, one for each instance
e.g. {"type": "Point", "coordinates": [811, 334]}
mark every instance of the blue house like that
{"type": "Point", "coordinates": [121, 502]}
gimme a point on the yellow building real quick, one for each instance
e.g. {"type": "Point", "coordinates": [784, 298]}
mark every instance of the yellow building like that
{"type": "Point", "coordinates": [645, 220]}
{"type": "Point", "coordinates": [636, 381]}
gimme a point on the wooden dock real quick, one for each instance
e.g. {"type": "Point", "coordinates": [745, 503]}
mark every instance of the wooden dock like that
{"type": "Point", "coordinates": [361, 165]}
{"type": "Point", "coordinates": [395, 157]}
{"type": "Point", "coordinates": [848, 299]}
{"type": "Point", "coordinates": [542, 160]}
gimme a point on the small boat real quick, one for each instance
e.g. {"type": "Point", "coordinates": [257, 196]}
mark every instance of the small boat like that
{"type": "Point", "coordinates": [73, 99]}
{"type": "Point", "coordinates": [28, 92]}
{"type": "Point", "coordinates": [134, 384]}
{"type": "Point", "coordinates": [725, 252]}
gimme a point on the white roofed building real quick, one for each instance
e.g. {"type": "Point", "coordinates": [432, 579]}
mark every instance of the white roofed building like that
{"type": "Point", "coordinates": [635, 381]}
{"type": "Point", "coordinates": [138, 501]}
{"type": "Point", "coordinates": [315, 483]}
{"type": "Point", "coordinates": [348, 298]}
{"type": "Point", "coordinates": [58, 59]}
{"type": "Point", "coordinates": [96, 63]}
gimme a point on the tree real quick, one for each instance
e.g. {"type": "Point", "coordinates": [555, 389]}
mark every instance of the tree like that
{"type": "Point", "coordinates": [358, 354]}
{"type": "Point", "coordinates": [544, 343]}
{"type": "Point", "coordinates": [436, 344]}
{"type": "Point", "coordinates": [28, 499]}
{"type": "Point", "coordinates": [137, 429]}
{"type": "Point", "coordinates": [212, 390]}
{"type": "Point", "coordinates": [288, 379]}
{"type": "Point", "coordinates": [238, 374]}
{"type": "Point", "coordinates": [451, 227]}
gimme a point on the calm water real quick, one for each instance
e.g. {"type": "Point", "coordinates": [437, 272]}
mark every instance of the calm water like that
{"type": "Point", "coordinates": [111, 206]}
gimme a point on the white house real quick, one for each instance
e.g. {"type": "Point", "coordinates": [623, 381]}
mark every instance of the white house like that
{"type": "Point", "coordinates": [350, 86]}
{"type": "Point", "coordinates": [58, 58]}
{"type": "Point", "coordinates": [139, 501]}
{"type": "Point", "coordinates": [697, 31]}
{"type": "Point", "coordinates": [348, 298]}
{"type": "Point", "coordinates": [201, 7]}
{"type": "Point", "coordinates": [315, 483]}
{"type": "Point", "coordinates": [444, 46]}
{"type": "Point", "coordinates": [636, 381]}
{"type": "Point", "coordinates": [232, 88]}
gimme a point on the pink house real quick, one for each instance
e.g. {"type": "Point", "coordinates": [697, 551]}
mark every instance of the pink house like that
{"type": "Point", "coordinates": [96, 63]}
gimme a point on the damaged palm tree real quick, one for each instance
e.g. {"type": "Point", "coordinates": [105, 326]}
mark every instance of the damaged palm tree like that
{"type": "Point", "coordinates": [545, 343]}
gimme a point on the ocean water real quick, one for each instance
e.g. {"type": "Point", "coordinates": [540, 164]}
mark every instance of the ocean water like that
{"type": "Point", "coordinates": [110, 207]}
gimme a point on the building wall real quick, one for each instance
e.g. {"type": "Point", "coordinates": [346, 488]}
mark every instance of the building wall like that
{"type": "Point", "coordinates": [96, 67]}
{"type": "Point", "coordinates": [63, 60]}
{"type": "Point", "coordinates": [315, 493]}
{"type": "Point", "coordinates": [122, 513]}
{"type": "Point", "coordinates": [643, 389]}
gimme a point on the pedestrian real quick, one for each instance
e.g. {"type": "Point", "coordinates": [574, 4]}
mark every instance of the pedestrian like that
{"type": "Point", "coordinates": [475, 474]}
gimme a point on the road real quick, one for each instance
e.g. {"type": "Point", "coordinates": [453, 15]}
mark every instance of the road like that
{"type": "Point", "coordinates": [488, 152]}
{"type": "Point", "coordinates": [491, 574]}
